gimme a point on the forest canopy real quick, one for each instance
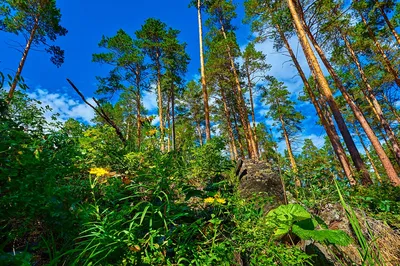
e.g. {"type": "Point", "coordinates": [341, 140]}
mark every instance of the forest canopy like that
{"type": "Point", "coordinates": [133, 153]}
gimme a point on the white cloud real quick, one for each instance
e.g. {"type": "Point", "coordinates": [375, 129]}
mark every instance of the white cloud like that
{"type": "Point", "coordinates": [156, 121]}
{"type": "Point", "coordinates": [150, 101]}
{"type": "Point", "coordinates": [318, 141]}
{"type": "Point", "coordinates": [64, 105]}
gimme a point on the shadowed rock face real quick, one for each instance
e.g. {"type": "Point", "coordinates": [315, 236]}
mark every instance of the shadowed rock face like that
{"type": "Point", "coordinates": [257, 177]}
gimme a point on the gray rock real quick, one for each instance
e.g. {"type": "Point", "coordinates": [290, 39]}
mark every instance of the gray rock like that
{"type": "Point", "coordinates": [258, 177]}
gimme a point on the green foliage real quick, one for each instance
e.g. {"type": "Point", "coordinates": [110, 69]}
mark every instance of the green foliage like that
{"type": "Point", "coordinates": [294, 218]}
{"type": "Point", "coordinates": [39, 17]}
{"type": "Point", "coordinates": [369, 251]}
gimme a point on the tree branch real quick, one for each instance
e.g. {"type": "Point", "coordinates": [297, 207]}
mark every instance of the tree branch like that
{"type": "Point", "coordinates": [99, 110]}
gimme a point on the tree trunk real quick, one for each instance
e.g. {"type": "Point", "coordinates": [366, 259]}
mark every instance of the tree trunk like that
{"type": "Point", "coordinates": [290, 152]}
{"type": "Point", "coordinates": [329, 127]}
{"type": "Point", "coordinates": [368, 154]}
{"type": "Point", "coordinates": [385, 17]}
{"type": "Point", "coordinates": [324, 86]}
{"type": "Point", "coordinates": [253, 151]}
{"type": "Point", "coordinates": [389, 67]}
{"type": "Point", "coordinates": [377, 107]}
{"type": "Point", "coordinates": [391, 107]}
{"type": "Point", "coordinates": [23, 59]}
{"type": "Point", "coordinates": [229, 124]}
{"type": "Point", "coordinates": [138, 107]}
{"type": "Point", "coordinates": [387, 164]}
{"type": "Point", "coordinates": [168, 118]}
{"type": "Point", "coordinates": [239, 137]}
{"type": "Point", "coordinates": [203, 76]}
{"type": "Point", "coordinates": [173, 117]}
{"type": "Point", "coordinates": [200, 133]}
{"type": "Point", "coordinates": [253, 117]}
{"type": "Point", "coordinates": [160, 105]}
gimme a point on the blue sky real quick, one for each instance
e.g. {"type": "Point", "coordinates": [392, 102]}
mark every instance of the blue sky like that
{"type": "Point", "coordinates": [88, 20]}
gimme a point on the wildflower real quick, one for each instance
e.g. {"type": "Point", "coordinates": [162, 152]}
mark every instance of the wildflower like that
{"type": "Point", "coordinates": [209, 200]}
{"type": "Point", "coordinates": [98, 171]}
{"type": "Point", "coordinates": [221, 200]}
{"type": "Point", "coordinates": [152, 132]}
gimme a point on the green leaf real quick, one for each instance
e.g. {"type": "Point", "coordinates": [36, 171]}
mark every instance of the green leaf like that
{"type": "Point", "coordinates": [283, 217]}
{"type": "Point", "coordinates": [336, 237]}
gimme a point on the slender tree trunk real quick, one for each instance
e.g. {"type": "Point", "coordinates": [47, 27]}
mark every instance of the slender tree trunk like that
{"type": "Point", "coordinates": [391, 107]}
{"type": "Point", "coordinates": [228, 122]}
{"type": "Point", "coordinates": [329, 127]}
{"type": "Point", "coordinates": [231, 152]}
{"type": "Point", "coordinates": [290, 152]}
{"type": "Point", "coordinates": [324, 86]}
{"type": "Point", "coordinates": [160, 104]}
{"type": "Point", "coordinates": [253, 151]}
{"type": "Point", "coordinates": [239, 136]}
{"type": "Point", "coordinates": [387, 164]}
{"type": "Point", "coordinates": [390, 148]}
{"type": "Point", "coordinates": [368, 154]}
{"type": "Point", "coordinates": [200, 133]}
{"type": "Point", "coordinates": [23, 59]}
{"type": "Point", "coordinates": [392, 29]}
{"type": "Point", "coordinates": [168, 118]}
{"type": "Point", "coordinates": [382, 135]}
{"type": "Point", "coordinates": [253, 117]}
{"type": "Point", "coordinates": [138, 107]}
{"type": "Point", "coordinates": [173, 117]}
{"type": "Point", "coordinates": [203, 76]}
{"type": "Point", "coordinates": [128, 128]}
{"type": "Point", "coordinates": [388, 65]}
{"type": "Point", "coordinates": [377, 107]}
{"type": "Point", "coordinates": [339, 150]}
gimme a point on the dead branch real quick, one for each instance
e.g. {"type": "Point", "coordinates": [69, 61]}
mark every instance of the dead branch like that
{"type": "Point", "coordinates": [99, 110]}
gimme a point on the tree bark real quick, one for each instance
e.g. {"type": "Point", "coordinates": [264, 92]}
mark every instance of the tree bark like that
{"type": "Point", "coordinates": [324, 86]}
{"type": "Point", "coordinates": [203, 76]}
{"type": "Point", "coordinates": [329, 127]}
{"type": "Point", "coordinates": [387, 164]}
{"type": "Point", "coordinates": [23, 59]}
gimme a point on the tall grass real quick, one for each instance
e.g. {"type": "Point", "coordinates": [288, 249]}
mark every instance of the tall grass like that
{"type": "Point", "coordinates": [368, 250]}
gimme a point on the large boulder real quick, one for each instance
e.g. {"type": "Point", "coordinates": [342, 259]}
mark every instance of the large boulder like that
{"type": "Point", "coordinates": [258, 178]}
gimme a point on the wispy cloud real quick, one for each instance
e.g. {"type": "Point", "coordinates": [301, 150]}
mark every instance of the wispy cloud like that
{"type": "Point", "coordinates": [150, 101]}
{"type": "Point", "coordinates": [64, 105]}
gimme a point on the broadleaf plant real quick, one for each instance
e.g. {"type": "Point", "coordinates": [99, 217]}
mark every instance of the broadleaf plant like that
{"type": "Point", "coordinates": [293, 218]}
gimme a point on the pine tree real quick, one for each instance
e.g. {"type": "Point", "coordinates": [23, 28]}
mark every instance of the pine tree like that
{"type": "Point", "coordinates": [38, 19]}
{"type": "Point", "coordinates": [282, 109]}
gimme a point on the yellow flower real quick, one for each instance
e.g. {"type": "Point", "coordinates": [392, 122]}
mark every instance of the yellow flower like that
{"type": "Point", "coordinates": [98, 171]}
{"type": "Point", "coordinates": [220, 200]}
{"type": "Point", "coordinates": [209, 200]}
{"type": "Point", "coordinates": [152, 132]}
